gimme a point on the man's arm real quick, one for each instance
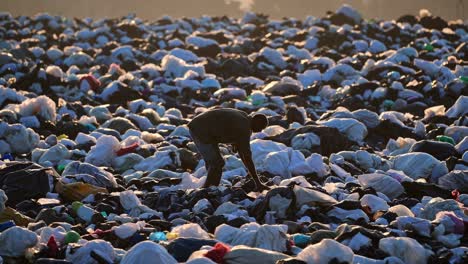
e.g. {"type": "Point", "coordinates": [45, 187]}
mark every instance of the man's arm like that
{"type": "Point", "coordinates": [246, 156]}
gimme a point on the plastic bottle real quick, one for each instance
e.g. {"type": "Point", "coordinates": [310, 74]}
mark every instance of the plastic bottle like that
{"type": "Point", "coordinates": [60, 168]}
{"type": "Point", "coordinates": [157, 236]}
{"type": "Point", "coordinates": [388, 104]}
{"type": "Point", "coordinates": [90, 127]}
{"type": "Point", "coordinates": [428, 47]}
{"type": "Point", "coordinates": [84, 212]}
{"type": "Point", "coordinates": [72, 237]}
{"type": "Point", "coordinates": [301, 240]}
{"type": "Point", "coordinates": [464, 79]}
{"type": "Point", "coordinates": [171, 236]}
{"type": "Point", "coordinates": [445, 139]}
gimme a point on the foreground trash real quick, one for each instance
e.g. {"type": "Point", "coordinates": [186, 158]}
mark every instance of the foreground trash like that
{"type": "Point", "coordinates": [365, 154]}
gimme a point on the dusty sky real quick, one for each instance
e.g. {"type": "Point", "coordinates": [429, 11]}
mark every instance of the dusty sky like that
{"type": "Point", "coordinates": [153, 9]}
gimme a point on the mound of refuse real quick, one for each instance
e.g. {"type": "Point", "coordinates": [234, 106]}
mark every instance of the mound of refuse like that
{"type": "Point", "coordinates": [365, 155]}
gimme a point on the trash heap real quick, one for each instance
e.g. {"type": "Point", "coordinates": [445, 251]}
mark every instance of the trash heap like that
{"type": "Point", "coordinates": [365, 152]}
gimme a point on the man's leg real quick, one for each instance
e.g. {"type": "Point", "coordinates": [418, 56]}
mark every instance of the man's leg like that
{"type": "Point", "coordinates": [214, 162]}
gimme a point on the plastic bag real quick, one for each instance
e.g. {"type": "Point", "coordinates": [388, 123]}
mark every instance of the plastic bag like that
{"type": "Point", "coordinates": [272, 237]}
{"type": "Point", "coordinates": [452, 223]}
{"type": "Point", "coordinates": [42, 106]}
{"type": "Point", "coordinates": [127, 230]}
{"type": "Point", "coordinates": [459, 108]}
{"type": "Point", "coordinates": [455, 132]}
{"type": "Point", "coordinates": [274, 130]}
{"type": "Point", "coordinates": [25, 180]}
{"type": "Point", "coordinates": [191, 231]}
{"type": "Point", "coordinates": [462, 147]}
{"type": "Point", "coordinates": [159, 160]}
{"type": "Point", "coordinates": [374, 203]}
{"type": "Point", "coordinates": [311, 197]}
{"type": "Point", "coordinates": [182, 248]}
{"type": "Point", "coordinates": [368, 118]}
{"type": "Point", "coordinates": [248, 255]}
{"type": "Point", "coordinates": [83, 253]}
{"type": "Point", "coordinates": [316, 165]}
{"type": "Point", "coordinates": [261, 148]}
{"type": "Point", "coordinates": [226, 233]}
{"type": "Point", "coordinates": [16, 240]}
{"type": "Point", "coordinates": [21, 139]}
{"type": "Point", "coordinates": [382, 183]}
{"type": "Point", "coordinates": [353, 129]}
{"type": "Point", "coordinates": [273, 56]}
{"type": "Point", "coordinates": [421, 226]}
{"type": "Point", "coordinates": [129, 200]}
{"type": "Point", "coordinates": [103, 153]}
{"type": "Point", "coordinates": [226, 208]}
{"type": "Point", "coordinates": [398, 247]}
{"type": "Point", "coordinates": [55, 154]}
{"type": "Point", "coordinates": [278, 163]}
{"type": "Point", "coordinates": [190, 182]}
{"type": "Point", "coordinates": [436, 205]}
{"type": "Point", "coordinates": [299, 180]}
{"type": "Point", "coordinates": [325, 251]}
{"type": "Point", "coordinates": [58, 233]}
{"type": "Point", "coordinates": [305, 141]}
{"type": "Point", "coordinates": [419, 165]}
{"type": "Point", "coordinates": [457, 179]}
{"type": "Point", "coordinates": [82, 171]}
{"type": "Point", "coordinates": [356, 214]}
{"type": "Point", "coordinates": [399, 146]}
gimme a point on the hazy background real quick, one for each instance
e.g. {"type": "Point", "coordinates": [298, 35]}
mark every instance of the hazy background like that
{"type": "Point", "coordinates": [153, 9]}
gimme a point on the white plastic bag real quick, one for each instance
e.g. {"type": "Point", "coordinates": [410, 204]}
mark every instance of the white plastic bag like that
{"type": "Point", "coordinates": [83, 254]}
{"type": "Point", "coordinates": [405, 248]}
{"type": "Point", "coordinates": [419, 165]}
{"type": "Point", "coordinates": [103, 153]}
{"type": "Point", "coordinates": [382, 183]}
{"type": "Point", "coordinates": [16, 240]}
{"type": "Point", "coordinates": [191, 230]}
{"type": "Point", "coordinates": [147, 252]}
{"type": "Point", "coordinates": [325, 251]}
{"type": "Point", "coordinates": [311, 197]}
{"type": "Point", "coordinates": [247, 255]}
{"type": "Point", "coordinates": [353, 129]}
{"type": "Point", "coordinates": [129, 200]}
{"type": "Point", "coordinates": [305, 141]}
{"type": "Point", "coordinates": [459, 108]}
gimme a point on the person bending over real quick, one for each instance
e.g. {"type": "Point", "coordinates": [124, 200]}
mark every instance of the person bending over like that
{"type": "Point", "coordinates": [226, 125]}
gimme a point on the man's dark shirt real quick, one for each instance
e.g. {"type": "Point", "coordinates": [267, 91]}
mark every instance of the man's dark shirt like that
{"type": "Point", "coordinates": [224, 125]}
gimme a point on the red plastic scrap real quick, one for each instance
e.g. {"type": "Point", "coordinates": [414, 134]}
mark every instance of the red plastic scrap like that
{"type": "Point", "coordinates": [456, 195]}
{"type": "Point", "coordinates": [218, 252]}
{"type": "Point", "coordinates": [128, 149]}
{"type": "Point", "coordinates": [93, 82]}
{"type": "Point", "coordinates": [98, 233]}
{"type": "Point", "coordinates": [53, 248]}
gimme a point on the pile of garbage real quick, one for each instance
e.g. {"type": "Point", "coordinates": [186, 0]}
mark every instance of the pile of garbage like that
{"type": "Point", "coordinates": [365, 153]}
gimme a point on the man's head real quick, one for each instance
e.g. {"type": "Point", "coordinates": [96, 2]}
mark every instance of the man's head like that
{"type": "Point", "coordinates": [259, 122]}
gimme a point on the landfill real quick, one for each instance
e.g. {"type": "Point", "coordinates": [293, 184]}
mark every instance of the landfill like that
{"type": "Point", "coordinates": [365, 155]}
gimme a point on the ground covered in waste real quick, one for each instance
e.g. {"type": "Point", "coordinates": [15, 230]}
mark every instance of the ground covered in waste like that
{"type": "Point", "coordinates": [365, 153]}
